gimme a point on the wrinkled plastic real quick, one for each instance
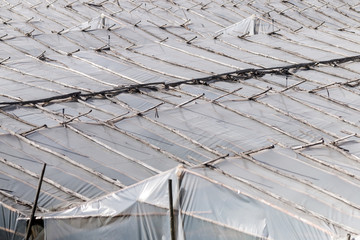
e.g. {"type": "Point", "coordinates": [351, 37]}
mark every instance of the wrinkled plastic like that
{"type": "Point", "coordinates": [141, 212]}
{"type": "Point", "coordinates": [249, 26]}
{"type": "Point", "coordinates": [9, 223]}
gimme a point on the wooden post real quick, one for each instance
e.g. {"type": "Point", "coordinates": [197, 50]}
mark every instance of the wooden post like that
{"type": "Point", "coordinates": [172, 223]}
{"type": "Point", "coordinates": [32, 218]}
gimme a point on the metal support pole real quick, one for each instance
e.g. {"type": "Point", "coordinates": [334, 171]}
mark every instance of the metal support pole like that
{"type": "Point", "coordinates": [172, 223]}
{"type": "Point", "coordinates": [32, 218]}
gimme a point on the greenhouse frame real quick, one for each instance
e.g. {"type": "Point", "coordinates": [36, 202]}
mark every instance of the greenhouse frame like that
{"type": "Point", "coordinates": [180, 119]}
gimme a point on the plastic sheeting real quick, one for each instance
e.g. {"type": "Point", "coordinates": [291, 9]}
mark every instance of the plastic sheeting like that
{"type": "Point", "coordinates": [100, 22]}
{"type": "Point", "coordinates": [250, 26]}
{"type": "Point", "coordinates": [309, 190]}
{"type": "Point", "coordinates": [9, 224]}
{"type": "Point", "coordinates": [288, 185]}
{"type": "Point", "coordinates": [141, 212]}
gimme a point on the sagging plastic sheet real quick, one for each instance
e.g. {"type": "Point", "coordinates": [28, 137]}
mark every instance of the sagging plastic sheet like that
{"type": "Point", "coordinates": [8, 222]}
{"type": "Point", "coordinates": [103, 21]}
{"type": "Point", "coordinates": [204, 209]}
{"type": "Point", "coordinates": [249, 26]}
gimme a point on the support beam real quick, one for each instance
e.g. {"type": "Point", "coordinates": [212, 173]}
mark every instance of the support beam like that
{"type": "Point", "coordinates": [191, 100]}
{"type": "Point", "coordinates": [171, 209]}
{"type": "Point", "coordinates": [32, 217]}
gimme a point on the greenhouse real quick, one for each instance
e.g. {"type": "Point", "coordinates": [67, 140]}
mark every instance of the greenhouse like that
{"type": "Point", "coordinates": [174, 119]}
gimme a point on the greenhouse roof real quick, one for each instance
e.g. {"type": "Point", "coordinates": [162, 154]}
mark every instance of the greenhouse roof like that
{"type": "Point", "coordinates": [110, 94]}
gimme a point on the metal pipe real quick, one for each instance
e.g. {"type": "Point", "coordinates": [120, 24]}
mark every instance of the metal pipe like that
{"type": "Point", "coordinates": [32, 218]}
{"type": "Point", "coordinates": [172, 223]}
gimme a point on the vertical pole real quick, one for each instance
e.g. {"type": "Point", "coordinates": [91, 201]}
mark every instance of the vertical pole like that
{"type": "Point", "coordinates": [32, 218]}
{"type": "Point", "coordinates": [102, 21]}
{"type": "Point", "coordinates": [172, 224]}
